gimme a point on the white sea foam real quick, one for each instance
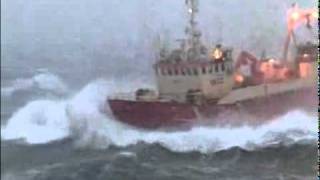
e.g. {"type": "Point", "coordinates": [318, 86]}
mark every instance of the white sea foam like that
{"type": "Point", "coordinates": [38, 122]}
{"type": "Point", "coordinates": [81, 118]}
{"type": "Point", "coordinates": [42, 80]}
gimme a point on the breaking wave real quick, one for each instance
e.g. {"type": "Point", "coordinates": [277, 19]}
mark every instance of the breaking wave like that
{"type": "Point", "coordinates": [43, 80]}
{"type": "Point", "coordinates": [80, 118]}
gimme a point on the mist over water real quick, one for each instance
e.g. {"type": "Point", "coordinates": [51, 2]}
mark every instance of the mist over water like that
{"type": "Point", "coordinates": [61, 59]}
{"type": "Point", "coordinates": [109, 38]}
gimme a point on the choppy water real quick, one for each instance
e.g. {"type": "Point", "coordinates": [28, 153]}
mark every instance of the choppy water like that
{"type": "Point", "coordinates": [51, 129]}
{"type": "Point", "coordinates": [51, 123]}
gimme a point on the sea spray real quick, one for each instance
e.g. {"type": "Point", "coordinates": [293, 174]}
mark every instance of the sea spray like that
{"type": "Point", "coordinates": [39, 121]}
{"type": "Point", "coordinates": [87, 119]}
{"type": "Point", "coordinates": [45, 81]}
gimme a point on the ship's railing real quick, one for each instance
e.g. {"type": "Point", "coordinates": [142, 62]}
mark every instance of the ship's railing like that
{"type": "Point", "coordinates": [123, 96]}
{"type": "Point", "coordinates": [132, 97]}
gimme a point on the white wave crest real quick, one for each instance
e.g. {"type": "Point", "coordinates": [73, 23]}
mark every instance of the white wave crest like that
{"type": "Point", "coordinates": [38, 122]}
{"type": "Point", "coordinates": [81, 117]}
{"type": "Point", "coordinates": [43, 80]}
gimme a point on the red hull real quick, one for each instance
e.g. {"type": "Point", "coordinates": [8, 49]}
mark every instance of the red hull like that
{"type": "Point", "coordinates": [158, 114]}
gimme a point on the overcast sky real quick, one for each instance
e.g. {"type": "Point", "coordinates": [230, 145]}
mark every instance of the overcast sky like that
{"type": "Point", "coordinates": [94, 30]}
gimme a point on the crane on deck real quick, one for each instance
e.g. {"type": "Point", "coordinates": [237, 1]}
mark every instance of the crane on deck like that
{"type": "Point", "coordinates": [251, 70]}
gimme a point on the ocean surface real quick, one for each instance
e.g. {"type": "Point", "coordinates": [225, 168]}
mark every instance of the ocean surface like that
{"type": "Point", "coordinates": [52, 128]}
{"type": "Point", "coordinates": [60, 60]}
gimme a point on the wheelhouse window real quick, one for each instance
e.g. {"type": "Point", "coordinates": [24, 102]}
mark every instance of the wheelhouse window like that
{"type": "Point", "coordinates": [195, 71]}
{"type": "Point", "coordinates": [204, 71]}
{"type": "Point", "coordinates": [183, 72]}
{"type": "Point", "coordinates": [210, 69]}
{"type": "Point", "coordinates": [176, 71]}
{"type": "Point", "coordinates": [189, 72]}
{"type": "Point", "coordinates": [222, 67]}
{"type": "Point", "coordinates": [216, 68]}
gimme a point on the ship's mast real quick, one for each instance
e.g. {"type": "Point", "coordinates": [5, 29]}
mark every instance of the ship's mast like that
{"type": "Point", "coordinates": [192, 32]}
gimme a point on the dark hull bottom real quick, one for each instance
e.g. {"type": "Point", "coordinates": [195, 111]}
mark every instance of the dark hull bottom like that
{"type": "Point", "coordinates": [249, 112]}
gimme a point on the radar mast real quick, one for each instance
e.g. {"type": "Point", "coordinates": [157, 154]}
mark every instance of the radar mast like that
{"type": "Point", "coordinates": [192, 32]}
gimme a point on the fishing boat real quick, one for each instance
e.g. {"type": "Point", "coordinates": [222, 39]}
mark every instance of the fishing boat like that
{"type": "Point", "coordinates": [197, 84]}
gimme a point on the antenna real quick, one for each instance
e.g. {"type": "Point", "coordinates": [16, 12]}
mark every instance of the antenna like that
{"type": "Point", "coordinates": [193, 34]}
